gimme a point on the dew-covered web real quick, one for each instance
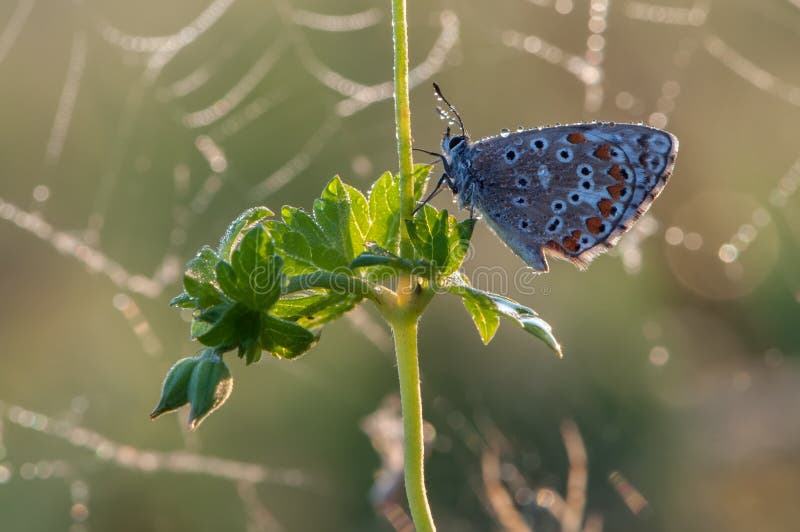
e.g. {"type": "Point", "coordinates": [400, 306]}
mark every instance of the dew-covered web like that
{"type": "Point", "coordinates": [204, 169]}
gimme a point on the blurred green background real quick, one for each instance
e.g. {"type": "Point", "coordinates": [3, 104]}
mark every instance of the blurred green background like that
{"type": "Point", "coordinates": [134, 132]}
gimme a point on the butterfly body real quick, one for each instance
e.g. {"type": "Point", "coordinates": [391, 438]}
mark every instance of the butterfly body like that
{"type": "Point", "coordinates": [567, 191]}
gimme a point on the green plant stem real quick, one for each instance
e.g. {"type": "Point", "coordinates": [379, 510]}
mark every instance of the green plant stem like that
{"type": "Point", "coordinates": [405, 342]}
{"type": "Point", "coordinates": [408, 305]}
{"type": "Point", "coordinates": [402, 112]}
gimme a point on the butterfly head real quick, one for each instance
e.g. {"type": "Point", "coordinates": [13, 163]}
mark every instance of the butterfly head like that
{"type": "Point", "coordinates": [453, 146]}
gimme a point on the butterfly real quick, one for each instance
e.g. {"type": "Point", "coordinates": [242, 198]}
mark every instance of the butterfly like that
{"type": "Point", "coordinates": [567, 191]}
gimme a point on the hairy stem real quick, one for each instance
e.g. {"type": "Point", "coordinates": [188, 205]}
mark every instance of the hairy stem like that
{"type": "Point", "coordinates": [408, 304]}
{"type": "Point", "coordinates": [405, 342]}
{"type": "Point", "coordinates": [402, 112]}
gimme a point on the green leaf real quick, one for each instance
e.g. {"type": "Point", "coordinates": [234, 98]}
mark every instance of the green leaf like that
{"type": "Point", "coordinates": [458, 243]}
{"type": "Point", "coordinates": [250, 350]}
{"type": "Point", "coordinates": [429, 236]}
{"type": "Point", "coordinates": [343, 215]}
{"type": "Point", "coordinates": [234, 322]}
{"type": "Point", "coordinates": [483, 312]}
{"type": "Point", "coordinates": [528, 319]}
{"type": "Point", "coordinates": [199, 279]}
{"type": "Point", "coordinates": [242, 222]}
{"type": "Point", "coordinates": [285, 339]}
{"type": "Point", "coordinates": [384, 212]}
{"type": "Point", "coordinates": [213, 314]}
{"type": "Point", "coordinates": [323, 253]}
{"type": "Point", "coordinates": [226, 278]}
{"type": "Point", "coordinates": [199, 327]}
{"type": "Point", "coordinates": [294, 248]}
{"type": "Point", "coordinates": [314, 310]}
{"type": "Point", "coordinates": [183, 300]}
{"type": "Point", "coordinates": [482, 304]}
{"type": "Point", "coordinates": [258, 270]}
{"type": "Point", "coordinates": [421, 175]}
{"type": "Point", "coordinates": [175, 388]}
{"type": "Point", "coordinates": [209, 387]}
{"type": "Point", "coordinates": [300, 221]}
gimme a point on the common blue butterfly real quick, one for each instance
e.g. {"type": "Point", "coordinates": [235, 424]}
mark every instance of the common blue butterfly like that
{"type": "Point", "coordinates": [569, 191]}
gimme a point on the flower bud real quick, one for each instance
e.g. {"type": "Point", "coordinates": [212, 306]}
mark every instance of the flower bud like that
{"type": "Point", "coordinates": [175, 389]}
{"type": "Point", "coordinates": [210, 386]}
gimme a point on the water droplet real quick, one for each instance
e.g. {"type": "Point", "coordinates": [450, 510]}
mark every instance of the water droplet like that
{"type": "Point", "coordinates": [520, 129]}
{"type": "Point", "coordinates": [504, 132]}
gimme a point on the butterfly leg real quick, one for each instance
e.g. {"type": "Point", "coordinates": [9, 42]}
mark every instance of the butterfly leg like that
{"type": "Point", "coordinates": [438, 188]}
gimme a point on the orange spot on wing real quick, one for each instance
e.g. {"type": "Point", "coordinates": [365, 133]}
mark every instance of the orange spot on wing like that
{"type": "Point", "coordinates": [571, 244]}
{"type": "Point", "coordinates": [603, 152]}
{"type": "Point", "coordinates": [615, 190]}
{"type": "Point", "coordinates": [555, 246]}
{"type": "Point", "coordinates": [616, 173]}
{"type": "Point", "coordinates": [576, 138]}
{"type": "Point", "coordinates": [593, 224]}
{"type": "Point", "coordinates": [576, 234]}
{"type": "Point", "coordinates": [605, 207]}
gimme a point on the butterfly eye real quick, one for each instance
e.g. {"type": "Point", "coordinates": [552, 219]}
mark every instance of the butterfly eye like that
{"type": "Point", "coordinates": [455, 141]}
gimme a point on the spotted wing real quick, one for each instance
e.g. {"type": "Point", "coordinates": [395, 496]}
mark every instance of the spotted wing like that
{"type": "Point", "coordinates": [569, 191]}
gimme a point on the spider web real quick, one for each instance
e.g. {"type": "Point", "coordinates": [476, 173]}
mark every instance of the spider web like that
{"type": "Point", "coordinates": [180, 82]}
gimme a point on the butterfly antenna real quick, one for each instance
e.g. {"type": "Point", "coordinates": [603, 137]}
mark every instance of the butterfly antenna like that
{"type": "Point", "coordinates": [438, 92]}
{"type": "Point", "coordinates": [444, 115]}
{"type": "Point", "coordinates": [433, 153]}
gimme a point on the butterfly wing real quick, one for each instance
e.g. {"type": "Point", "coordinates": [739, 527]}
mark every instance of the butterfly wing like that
{"type": "Point", "coordinates": [569, 191]}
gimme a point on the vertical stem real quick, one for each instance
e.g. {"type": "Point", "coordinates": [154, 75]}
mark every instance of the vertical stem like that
{"type": "Point", "coordinates": [406, 315]}
{"type": "Point", "coordinates": [405, 342]}
{"type": "Point", "coordinates": [402, 112]}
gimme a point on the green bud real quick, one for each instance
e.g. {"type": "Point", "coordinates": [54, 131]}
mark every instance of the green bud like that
{"type": "Point", "coordinates": [175, 389]}
{"type": "Point", "coordinates": [210, 386]}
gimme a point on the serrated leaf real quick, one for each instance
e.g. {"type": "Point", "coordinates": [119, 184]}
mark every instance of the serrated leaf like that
{"type": "Point", "coordinates": [199, 279]}
{"type": "Point", "coordinates": [429, 236]}
{"type": "Point", "coordinates": [323, 254]}
{"type": "Point", "coordinates": [342, 214]}
{"type": "Point", "coordinates": [258, 270]}
{"type": "Point", "coordinates": [285, 339]}
{"type": "Point", "coordinates": [458, 243]}
{"type": "Point", "coordinates": [294, 248]}
{"type": "Point", "coordinates": [234, 232]}
{"type": "Point", "coordinates": [300, 221]}
{"type": "Point", "coordinates": [384, 211]}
